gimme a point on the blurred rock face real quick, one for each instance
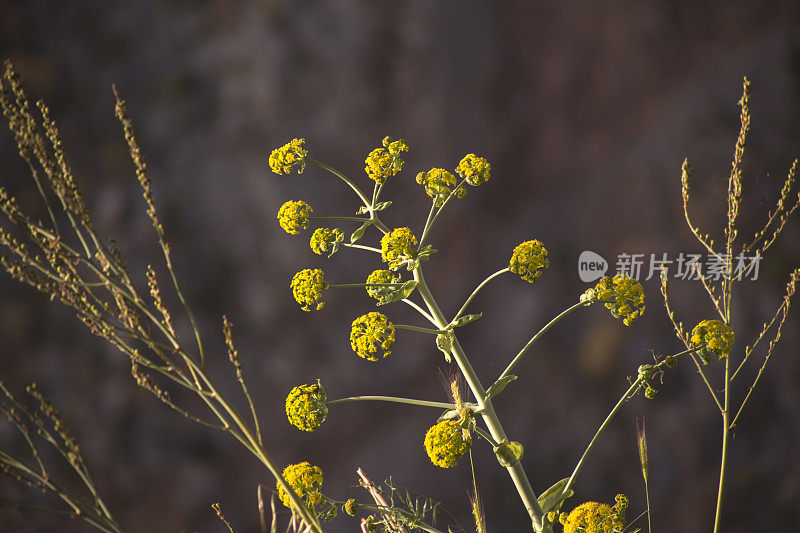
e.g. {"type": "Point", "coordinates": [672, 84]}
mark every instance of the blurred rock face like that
{"type": "Point", "coordinates": [585, 110]}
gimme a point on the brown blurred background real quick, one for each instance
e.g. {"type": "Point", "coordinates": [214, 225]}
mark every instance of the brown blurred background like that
{"type": "Point", "coordinates": [585, 110]}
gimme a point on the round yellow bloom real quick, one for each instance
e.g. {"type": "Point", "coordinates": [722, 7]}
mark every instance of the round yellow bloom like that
{"type": "Point", "coordinates": [474, 169]}
{"type": "Point", "coordinates": [283, 160]}
{"type": "Point", "coordinates": [370, 334]}
{"type": "Point", "coordinates": [305, 480]}
{"type": "Point", "coordinates": [385, 162]}
{"type": "Point", "coordinates": [446, 443]}
{"type": "Point", "coordinates": [712, 337]}
{"type": "Point", "coordinates": [305, 406]}
{"type": "Point", "coordinates": [293, 216]}
{"type": "Point", "coordinates": [627, 295]}
{"type": "Point", "coordinates": [323, 240]}
{"type": "Point", "coordinates": [528, 260]}
{"type": "Point", "coordinates": [381, 276]}
{"type": "Point", "coordinates": [307, 286]}
{"type": "Point", "coordinates": [438, 184]}
{"type": "Point", "coordinates": [397, 247]}
{"type": "Point", "coordinates": [593, 517]}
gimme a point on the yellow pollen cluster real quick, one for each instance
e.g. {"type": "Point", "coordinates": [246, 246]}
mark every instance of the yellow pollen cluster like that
{"type": "Point", "coordinates": [323, 240]}
{"type": "Point", "coordinates": [397, 246]}
{"type": "Point", "coordinates": [293, 216]}
{"type": "Point", "coordinates": [307, 286]}
{"type": "Point", "coordinates": [370, 334]}
{"type": "Point", "coordinates": [593, 517]}
{"type": "Point", "coordinates": [528, 260]}
{"type": "Point", "coordinates": [445, 443]}
{"type": "Point", "coordinates": [283, 160]}
{"type": "Point", "coordinates": [305, 406]}
{"type": "Point", "coordinates": [712, 337]}
{"type": "Point", "coordinates": [438, 184]}
{"type": "Point", "coordinates": [627, 295]}
{"type": "Point", "coordinates": [305, 480]}
{"type": "Point", "coordinates": [382, 163]}
{"type": "Point", "coordinates": [381, 276]}
{"type": "Point", "coordinates": [350, 507]}
{"type": "Point", "coordinates": [474, 169]}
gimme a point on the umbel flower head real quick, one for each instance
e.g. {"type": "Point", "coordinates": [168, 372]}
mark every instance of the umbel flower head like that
{"type": "Point", "coordinates": [326, 240]}
{"type": "Point", "coordinates": [285, 159]}
{"type": "Point", "coordinates": [528, 260]}
{"type": "Point", "coordinates": [446, 442]}
{"type": "Point", "coordinates": [474, 169]}
{"type": "Point", "coordinates": [593, 517]}
{"type": "Point", "coordinates": [307, 287]}
{"type": "Point", "coordinates": [438, 184]}
{"type": "Point", "coordinates": [627, 295]}
{"type": "Point", "coordinates": [305, 406]}
{"type": "Point", "coordinates": [382, 163]}
{"type": "Point", "coordinates": [397, 247]}
{"type": "Point", "coordinates": [381, 276]}
{"type": "Point", "coordinates": [372, 336]}
{"type": "Point", "coordinates": [305, 480]}
{"type": "Point", "coordinates": [293, 216]}
{"type": "Point", "coordinates": [712, 337]}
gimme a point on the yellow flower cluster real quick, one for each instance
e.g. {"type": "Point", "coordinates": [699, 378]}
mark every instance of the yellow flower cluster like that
{"type": "Point", "coordinates": [712, 337]}
{"type": "Point", "coordinates": [593, 517]}
{"type": "Point", "coordinates": [382, 163]}
{"type": "Point", "coordinates": [438, 184]}
{"type": "Point", "coordinates": [446, 442]}
{"type": "Point", "coordinates": [397, 247]}
{"type": "Point", "coordinates": [370, 334]}
{"type": "Point", "coordinates": [283, 160]}
{"type": "Point", "coordinates": [627, 297]}
{"type": "Point", "coordinates": [293, 216]}
{"type": "Point", "coordinates": [324, 239]}
{"type": "Point", "coordinates": [305, 406]}
{"type": "Point", "coordinates": [528, 260]}
{"type": "Point", "coordinates": [381, 276]}
{"type": "Point", "coordinates": [305, 480]}
{"type": "Point", "coordinates": [474, 169]}
{"type": "Point", "coordinates": [307, 286]}
{"type": "Point", "coordinates": [350, 507]}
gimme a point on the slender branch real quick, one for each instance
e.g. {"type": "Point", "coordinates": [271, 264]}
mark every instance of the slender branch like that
{"type": "Point", "coordinates": [538, 335]}
{"type": "Point", "coordinates": [393, 399]}
{"type": "Point", "coordinates": [625, 397]}
{"type": "Point", "coordinates": [476, 291]}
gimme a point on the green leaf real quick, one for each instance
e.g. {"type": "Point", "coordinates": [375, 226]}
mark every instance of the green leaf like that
{"type": "Point", "coordinates": [508, 453]}
{"type": "Point", "coordinates": [380, 206]}
{"type": "Point", "coordinates": [466, 319]}
{"type": "Point", "coordinates": [425, 252]}
{"type": "Point", "coordinates": [448, 415]}
{"type": "Point", "coordinates": [357, 234]}
{"type": "Point", "coordinates": [445, 344]}
{"type": "Point", "coordinates": [403, 292]}
{"type": "Point", "coordinates": [498, 386]}
{"type": "Point", "coordinates": [551, 499]}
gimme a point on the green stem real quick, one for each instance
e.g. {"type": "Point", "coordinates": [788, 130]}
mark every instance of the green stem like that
{"type": "Point", "coordinates": [341, 176]}
{"type": "Point", "coordinates": [628, 394]}
{"type": "Point", "coordinates": [419, 329]}
{"type": "Point", "coordinates": [346, 219]}
{"type": "Point", "coordinates": [538, 335]}
{"type": "Point", "coordinates": [393, 399]}
{"type": "Point", "coordinates": [476, 291]}
{"type": "Point", "coordinates": [725, 442]}
{"type": "Point", "coordinates": [515, 471]}
{"type": "Point", "coordinates": [370, 248]}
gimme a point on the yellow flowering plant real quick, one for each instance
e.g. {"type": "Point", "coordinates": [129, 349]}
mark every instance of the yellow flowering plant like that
{"type": "Point", "coordinates": [71, 264]}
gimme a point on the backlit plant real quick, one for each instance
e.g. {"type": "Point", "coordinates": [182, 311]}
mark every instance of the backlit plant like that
{"type": "Point", "coordinates": [70, 263]}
